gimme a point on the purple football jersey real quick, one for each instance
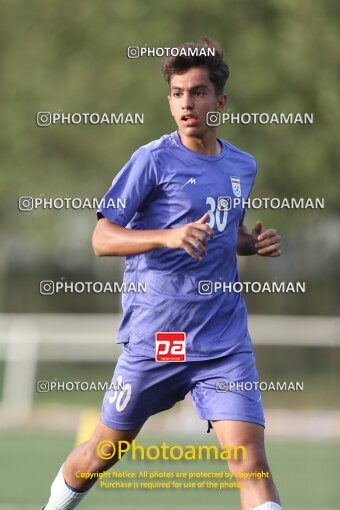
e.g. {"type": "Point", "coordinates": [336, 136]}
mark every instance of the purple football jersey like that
{"type": "Point", "coordinates": [166, 185]}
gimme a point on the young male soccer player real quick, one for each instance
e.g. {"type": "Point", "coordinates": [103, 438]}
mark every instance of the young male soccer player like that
{"type": "Point", "coordinates": [179, 241]}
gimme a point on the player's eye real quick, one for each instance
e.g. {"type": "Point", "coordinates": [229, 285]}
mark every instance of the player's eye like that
{"type": "Point", "coordinates": [200, 93]}
{"type": "Point", "coordinates": [176, 94]}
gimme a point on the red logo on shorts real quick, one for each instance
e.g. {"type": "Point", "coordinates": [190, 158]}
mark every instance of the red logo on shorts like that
{"type": "Point", "coordinates": [170, 346]}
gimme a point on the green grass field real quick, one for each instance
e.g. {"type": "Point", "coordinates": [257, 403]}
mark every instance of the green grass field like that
{"type": "Point", "coordinates": [306, 475]}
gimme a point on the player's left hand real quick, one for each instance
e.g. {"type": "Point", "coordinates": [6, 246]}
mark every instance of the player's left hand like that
{"type": "Point", "coordinates": [267, 243]}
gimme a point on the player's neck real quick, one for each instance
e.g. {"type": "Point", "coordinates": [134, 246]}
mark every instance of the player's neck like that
{"type": "Point", "coordinates": [207, 145]}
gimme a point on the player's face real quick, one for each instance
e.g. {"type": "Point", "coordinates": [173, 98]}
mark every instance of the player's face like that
{"type": "Point", "coordinates": [192, 95]}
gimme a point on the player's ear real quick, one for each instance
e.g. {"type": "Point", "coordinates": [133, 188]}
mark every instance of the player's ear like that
{"type": "Point", "coordinates": [222, 101]}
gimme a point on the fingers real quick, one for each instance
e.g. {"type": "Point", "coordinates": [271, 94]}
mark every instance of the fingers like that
{"type": "Point", "coordinates": [275, 254]}
{"type": "Point", "coordinates": [267, 233]}
{"type": "Point", "coordinates": [202, 225]}
{"type": "Point", "coordinates": [197, 244]}
{"type": "Point", "coordinates": [195, 237]}
{"type": "Point", "coordinates": [195, 233]}
{"type": "Point", "coordinates": [205, 228]}
{"type": "Point", "coordinates": [268, 241]}
{"type": "Point", "coordinates": [204, 218]}
{"type": "Point", "coordinates": [270, 249]}
{"type": "Point", "coordinates": [190, 251]}
{"type": "Point", "coordinates": [258, 227]}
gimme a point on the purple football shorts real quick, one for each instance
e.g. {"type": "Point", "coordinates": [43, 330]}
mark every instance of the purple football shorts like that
{"type": "Point", "coordinates": [224, 388]}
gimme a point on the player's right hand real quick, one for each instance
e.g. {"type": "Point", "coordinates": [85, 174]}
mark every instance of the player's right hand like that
{"type": "Point", "coordinates": [190, 237]}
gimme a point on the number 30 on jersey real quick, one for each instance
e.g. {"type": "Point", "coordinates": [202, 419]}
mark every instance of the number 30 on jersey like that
{"type": "Point", "coordinates": [216, 217]}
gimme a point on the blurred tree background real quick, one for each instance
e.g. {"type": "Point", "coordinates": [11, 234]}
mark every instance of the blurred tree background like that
{"type": "Point", "coordinates": [71, 56]}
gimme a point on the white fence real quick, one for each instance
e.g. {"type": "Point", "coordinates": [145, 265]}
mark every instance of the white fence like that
{"type": "Point", "coordinates": [26, 339]}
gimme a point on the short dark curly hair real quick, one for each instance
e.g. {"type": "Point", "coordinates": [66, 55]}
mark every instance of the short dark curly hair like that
{"type": "Point", "coordinates": [217, 67]}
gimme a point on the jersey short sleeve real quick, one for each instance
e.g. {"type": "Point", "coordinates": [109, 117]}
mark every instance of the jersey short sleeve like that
{"type": "Point", "coordinates": [132, 187]}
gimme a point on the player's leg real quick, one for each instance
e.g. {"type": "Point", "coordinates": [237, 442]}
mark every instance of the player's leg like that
{"type": "Point", "coordinates": [87, 457]}
{"type": "Point", "coordinates": [68, 489]}
{"type": "Point", "coordinates": [225, 393]}
{"type": "Point", "coordinates": [143, 388]}
{"type": "Point", "coordinates": [254, 492]}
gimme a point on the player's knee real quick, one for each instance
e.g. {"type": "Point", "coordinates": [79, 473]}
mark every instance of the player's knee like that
{"type": "Point", "coordinates": [250, 458]}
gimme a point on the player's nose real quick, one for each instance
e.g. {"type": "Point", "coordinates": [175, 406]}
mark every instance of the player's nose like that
{"type": "Point", "coordinates": [187, 102]}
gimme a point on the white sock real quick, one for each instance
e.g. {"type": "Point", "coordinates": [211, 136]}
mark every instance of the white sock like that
{"type": "Point", "coordinates": [62, 497]}
{"type": "Point", "coordinates": [267, 506]}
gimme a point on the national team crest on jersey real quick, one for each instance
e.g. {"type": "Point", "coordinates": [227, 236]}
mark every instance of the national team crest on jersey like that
{"type": "Point", "coordinates": [236, 184]}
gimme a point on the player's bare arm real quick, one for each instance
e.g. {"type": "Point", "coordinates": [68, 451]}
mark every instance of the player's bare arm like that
{"type": "Point", "coordinates": [263, 242]}
{"type": "Point", "coordinates": [110, 239]}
